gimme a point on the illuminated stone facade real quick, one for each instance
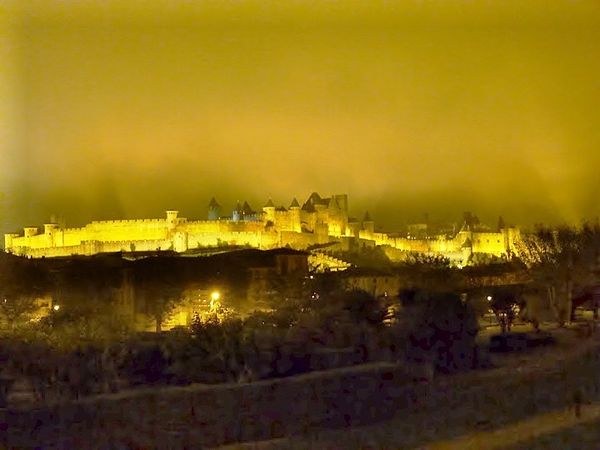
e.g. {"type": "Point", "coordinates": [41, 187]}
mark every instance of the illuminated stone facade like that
{"type": "Point", "coordinates": [318, 221]}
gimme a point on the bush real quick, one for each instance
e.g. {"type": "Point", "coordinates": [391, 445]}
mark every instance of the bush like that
{"type": "Point", "coordinates": [144, 363]}
{"type": "Point", "coordinates": [440, 328]}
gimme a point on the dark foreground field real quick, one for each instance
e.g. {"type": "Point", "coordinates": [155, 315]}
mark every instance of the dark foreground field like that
{"type": "Point", "coordinates": [520, 402]}
{"type": "Point", "coordinates": [540, 416]}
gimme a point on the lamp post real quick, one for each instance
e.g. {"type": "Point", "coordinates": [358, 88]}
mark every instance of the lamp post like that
{"type": "Point", "coordinates": [214, 300]}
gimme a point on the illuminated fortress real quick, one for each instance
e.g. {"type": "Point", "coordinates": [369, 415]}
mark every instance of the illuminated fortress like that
{"type": "Point", "coordinates": [318, 222]}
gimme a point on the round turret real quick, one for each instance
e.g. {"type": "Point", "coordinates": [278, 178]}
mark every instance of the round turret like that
{"type": "Point", "coordinates": [269, 211]}
{"type": "Point", "coordinates": [49, 229]}
{"type": "Point", "coordinates": [237, 212]}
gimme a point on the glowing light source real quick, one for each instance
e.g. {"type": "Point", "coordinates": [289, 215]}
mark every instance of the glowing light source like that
{"type": "Point", "coordinates": [56, 307]}
{"type": "Point", "coordinates": [489, 298]}
{"type": "Point", "coordinates": [214, 301]}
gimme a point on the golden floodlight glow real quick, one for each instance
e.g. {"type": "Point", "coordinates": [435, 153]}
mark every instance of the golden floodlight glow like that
{"type": "Point", "coordinates": [214, 301]}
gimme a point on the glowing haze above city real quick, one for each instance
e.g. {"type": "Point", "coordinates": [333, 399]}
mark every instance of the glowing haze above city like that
{"type": "Point", "coordinates": [121, 110]}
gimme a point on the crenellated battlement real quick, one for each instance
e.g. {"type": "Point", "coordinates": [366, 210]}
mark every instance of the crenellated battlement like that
{"type": "Point", "coordinates": [127, 221]}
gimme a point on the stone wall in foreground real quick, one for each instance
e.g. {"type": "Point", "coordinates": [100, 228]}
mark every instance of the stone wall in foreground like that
{"type": "Point", "coordinates": [198, 416]}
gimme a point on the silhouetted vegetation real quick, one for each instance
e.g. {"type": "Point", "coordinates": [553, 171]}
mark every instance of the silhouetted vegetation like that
{"type": "Point", "coordinates": [505, 302]}
{"type": "Point", "coordinates": [21, 282]}
{"type": "Point", "coordinates": [564, 260]}
{"type": "Point", "coordinates": [441, 328]}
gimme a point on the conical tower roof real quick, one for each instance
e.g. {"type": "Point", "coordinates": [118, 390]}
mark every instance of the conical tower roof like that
{"type": "Point", "coordinates": [367, 217]}
{"type": "Point", "coordinates": [295, 203]}
{"type": "Point", "coordinates": [213, 203]}
{"type": "Point", "coordinates": [270, 204]}
{"type": "Point", "coordinates": [314, 198]}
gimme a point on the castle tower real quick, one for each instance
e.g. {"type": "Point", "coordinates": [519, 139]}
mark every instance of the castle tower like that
{"type": "Point", "coordinates": [342, 201]}
{"type": "Point", "coordinates": [8, 240]}
{"type": "Point", "coordinates": [237, 212]}
{"type": "Point", "coordinates": [294, 212]}
{"type": "Point", "coordinates": [30, 231]}
{"type": "Point", "coordinates": [368, 224]}
{"type": "Point", "coordinates": [353, 227]}
{"type": "Point", "coordinates": [49, 230]}
{"type": "Point", "coordinates": [269, 211]}
{"type": "Point", "coordinates": [247, 212]}
{"type": "Point", "coordinates": [172, 219]}
{"type": "Point", "coordinates": [336, 225]}
{"type": "Point", "coordinates": [214, 210]}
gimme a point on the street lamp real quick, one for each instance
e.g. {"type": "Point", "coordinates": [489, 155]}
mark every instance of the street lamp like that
{"type": "Point", "coordinates": [214, 300]}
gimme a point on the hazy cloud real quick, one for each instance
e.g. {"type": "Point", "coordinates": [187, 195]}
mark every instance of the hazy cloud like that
{"type": "Point", "coordinates": [114, 110]}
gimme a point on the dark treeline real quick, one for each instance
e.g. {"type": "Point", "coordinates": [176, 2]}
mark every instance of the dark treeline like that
{"type": "Point", "coordinates": [81, 283]}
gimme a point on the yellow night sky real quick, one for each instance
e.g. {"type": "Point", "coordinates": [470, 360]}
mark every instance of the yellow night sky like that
{"type": "Point", "coordinates": [122, 109]}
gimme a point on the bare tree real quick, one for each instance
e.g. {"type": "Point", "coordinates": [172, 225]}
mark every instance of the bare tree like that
{"type": "Point", "coordinates": [160, 298]}
{"type": "Point", "coordinates": [160, 287]}
{"type": "Point", "coordinates": [563, 260]}
{"type": "Point", "coordinates": [505, 302]}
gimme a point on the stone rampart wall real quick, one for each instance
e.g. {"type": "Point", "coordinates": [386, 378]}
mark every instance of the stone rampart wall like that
{"type": "Point", "coordinates": [491, 243]}
{"type": "Point", "coordinates": [127, 230]}
{"type": "Point", "coordinates": [262, 240]}
{"type": "Point", "coordinates": [220, 226]}
{"type": "Point", "coordinates": [51, 251]}
{"type": "Point", "coordinates": [36, 241]}
{"type": "Point", "coordinates": [298, 241]}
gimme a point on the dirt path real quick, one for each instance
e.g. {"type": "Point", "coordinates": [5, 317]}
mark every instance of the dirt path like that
{"type": "Point", "coordinates": [523, 431]}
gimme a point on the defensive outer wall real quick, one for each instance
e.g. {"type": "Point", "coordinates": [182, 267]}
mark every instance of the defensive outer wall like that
{"type": "Point", "coordinates": [319, 221]}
